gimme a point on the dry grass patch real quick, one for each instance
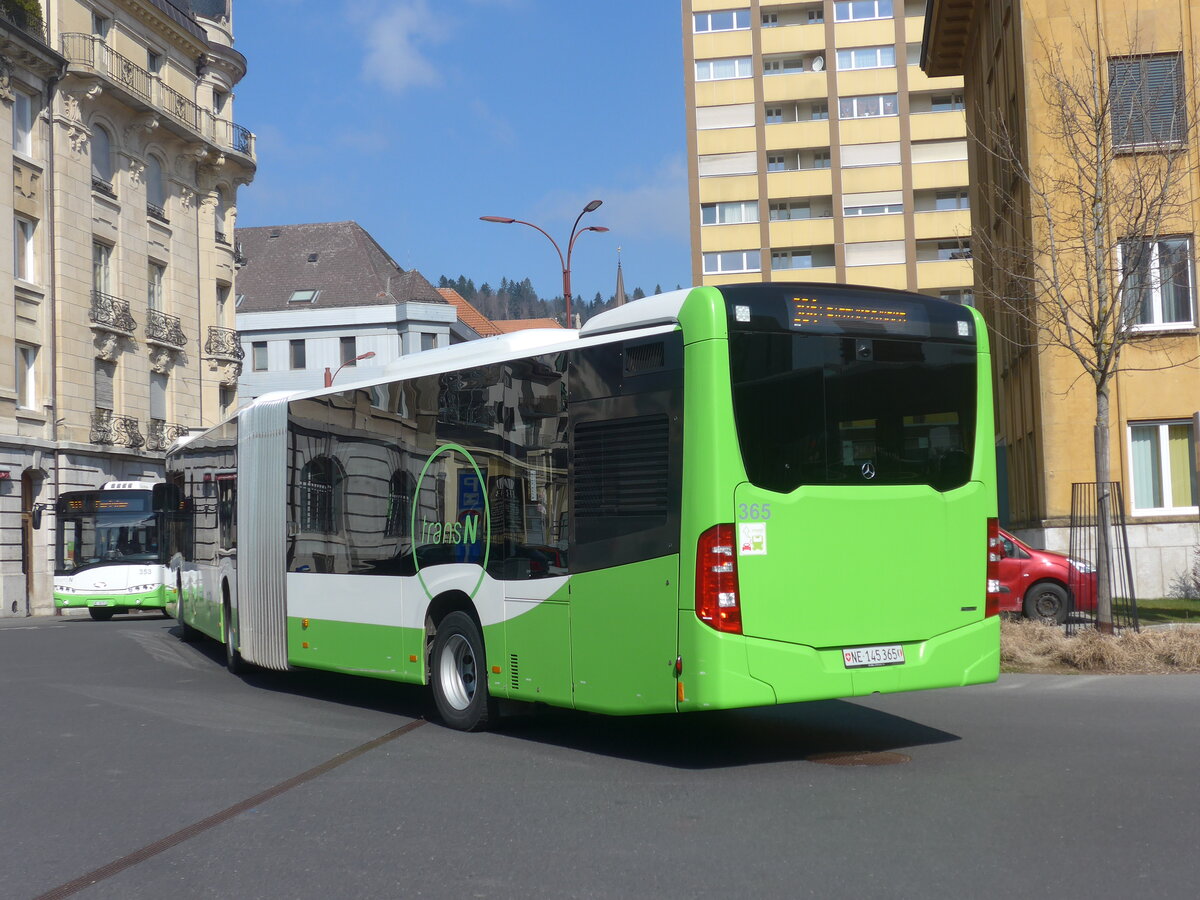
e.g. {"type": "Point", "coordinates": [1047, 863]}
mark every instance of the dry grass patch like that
{"type": "Point", "coordinates": [1033, 647]}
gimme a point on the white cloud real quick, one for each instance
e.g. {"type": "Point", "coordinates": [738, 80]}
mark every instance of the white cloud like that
{"type": "Point", "coordinates": [397, 37]}
{"type": "Point", "coordinates": [654, 206]}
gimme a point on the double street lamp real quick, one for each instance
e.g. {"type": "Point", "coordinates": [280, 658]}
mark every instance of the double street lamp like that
{"type": "Point", "coordinates": [565, 262]}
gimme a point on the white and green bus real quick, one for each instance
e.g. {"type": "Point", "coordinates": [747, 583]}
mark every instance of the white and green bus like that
{"type": "Point", "coordinates": [711, 498]}
{"type": "Point", "coordinates": [112, 546]}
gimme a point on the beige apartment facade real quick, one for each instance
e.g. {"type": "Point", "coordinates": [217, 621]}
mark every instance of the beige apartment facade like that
{"type": "Point", "coordinates": [1046, 406]}
{"type": "Point", "coordinates": [818, 150]}
{"type": "Point", "coordinates": [118, 299]}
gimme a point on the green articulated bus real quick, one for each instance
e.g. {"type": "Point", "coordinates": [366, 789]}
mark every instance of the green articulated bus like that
{"type": "Point", "coordinates": [710, 498]}
{"type": "Point", "coordinates": [112, 546]}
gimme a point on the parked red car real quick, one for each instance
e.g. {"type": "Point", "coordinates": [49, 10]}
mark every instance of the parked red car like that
{"type": "Point", "coordinates": [1039, 584]}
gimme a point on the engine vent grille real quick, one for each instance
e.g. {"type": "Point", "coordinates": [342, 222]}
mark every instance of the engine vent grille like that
{"type": "Point", "coordinates": [645, 357]}
{"type": "Point", "coordinates": [621, 467]}
{"type": "Point", "coordinates": [514, 672]}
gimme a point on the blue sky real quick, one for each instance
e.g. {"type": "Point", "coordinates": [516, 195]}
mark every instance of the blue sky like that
{"type": "Point", "coordinates": [415, 117]}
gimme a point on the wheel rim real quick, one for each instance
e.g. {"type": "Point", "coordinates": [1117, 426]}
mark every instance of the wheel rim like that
{"type": "Point", "coordinates": [457, 672]}
{"type": "Point", "coordinates": [1046, 605]}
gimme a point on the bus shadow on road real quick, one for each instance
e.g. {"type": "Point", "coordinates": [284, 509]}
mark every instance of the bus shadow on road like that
{"type": "Point", "coordinates": [705, 740]}
{"type": "Point", "coordinates": [713, 740]}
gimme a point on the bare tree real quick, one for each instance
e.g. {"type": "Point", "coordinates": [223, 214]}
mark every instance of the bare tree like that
{"type": "Point", "coordinates": [1079, 248]}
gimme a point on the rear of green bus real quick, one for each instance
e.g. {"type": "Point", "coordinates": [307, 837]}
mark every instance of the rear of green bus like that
{"type": "Point", "coordinates": [839, 495]}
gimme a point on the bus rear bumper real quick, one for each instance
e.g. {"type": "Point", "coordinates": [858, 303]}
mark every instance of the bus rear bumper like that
{"type": "Point", "coordinates": [730, 671]}
{"type": "Point", "coordinates": [967, 655]}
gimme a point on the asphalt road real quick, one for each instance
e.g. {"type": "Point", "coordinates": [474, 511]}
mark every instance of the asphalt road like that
{"type": "Point", "coordinates": [135, 766]}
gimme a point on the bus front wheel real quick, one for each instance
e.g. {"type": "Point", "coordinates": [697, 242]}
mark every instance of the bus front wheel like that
{"type": "Point", "coordinates": [100, 613]}
{"type": "Point", "coordinates": [233, 659]}
{"type": "Point", "coordinates": [459, 674]}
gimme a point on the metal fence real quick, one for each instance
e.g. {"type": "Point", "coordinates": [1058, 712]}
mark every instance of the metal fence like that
{"type": "Point", "coordinates": [1103, 567]}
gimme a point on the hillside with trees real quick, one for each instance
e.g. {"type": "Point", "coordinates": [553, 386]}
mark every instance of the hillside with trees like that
{"type": "Point", "coordinates": [514, 299]}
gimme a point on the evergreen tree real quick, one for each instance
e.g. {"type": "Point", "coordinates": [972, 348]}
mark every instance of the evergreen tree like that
{"type": "Point", "coordinates": [658, 289]}
{"type": "Point", "coordinates": [638, 294]}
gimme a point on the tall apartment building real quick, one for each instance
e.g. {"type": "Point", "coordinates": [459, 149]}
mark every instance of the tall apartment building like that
{"type": "Point", "coordinates": [117, 330]}
{"type": "Point", "coordinates": [818, 150]}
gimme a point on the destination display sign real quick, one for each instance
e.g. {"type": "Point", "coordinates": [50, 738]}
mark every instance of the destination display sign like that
{"type": "Point", "coordinates": [812, 313]}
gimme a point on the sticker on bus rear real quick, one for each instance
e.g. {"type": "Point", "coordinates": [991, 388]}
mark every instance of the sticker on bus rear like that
{"type": "Point", "coordinates": [752, 538]}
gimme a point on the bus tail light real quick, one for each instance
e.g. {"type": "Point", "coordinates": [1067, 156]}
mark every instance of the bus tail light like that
{"type": "Point", "coordinates": [717, 603]}
{"type": "Point", "coordinates": [994, 554]}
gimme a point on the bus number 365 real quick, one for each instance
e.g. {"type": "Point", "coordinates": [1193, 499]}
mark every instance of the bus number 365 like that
{"type": "Point", "coordinates": [755, 512]}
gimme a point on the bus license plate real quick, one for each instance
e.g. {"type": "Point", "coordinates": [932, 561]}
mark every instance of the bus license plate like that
{"type": "Point", "coordinates": [865, 657]}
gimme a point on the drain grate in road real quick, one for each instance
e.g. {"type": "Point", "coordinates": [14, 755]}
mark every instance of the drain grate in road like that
{"type": "Point", "coordinates": [859, 758]}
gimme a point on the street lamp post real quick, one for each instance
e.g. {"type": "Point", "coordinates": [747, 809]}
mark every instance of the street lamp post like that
{"type": "Point", "coordinates": [564, 262]}
{"type": "Point", "coordinates": [329, 378]}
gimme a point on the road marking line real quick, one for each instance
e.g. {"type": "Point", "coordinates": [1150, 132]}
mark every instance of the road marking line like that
{"type": "Point", "coordinates": [138, 856]}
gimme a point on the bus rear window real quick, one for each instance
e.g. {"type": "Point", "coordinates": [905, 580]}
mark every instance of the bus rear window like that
{"type": "Point", "coordinates": [824, 409]}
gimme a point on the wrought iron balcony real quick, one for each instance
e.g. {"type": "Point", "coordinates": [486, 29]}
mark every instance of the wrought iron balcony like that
{"type": "Point", "coordinates": [110, 429]}
{"type": "Point", "coordinates": [164, 329]}
{"type": "Point", "coordinates": [160, 435]}
{"type": "Point", "coordinates": [111, 313]}
{"type": "Point", "coordinates": [27, 22]}
{"type": "Point", "coordinates": [224, 343]}
{"type": "Point", "coordinates": [89, 51]}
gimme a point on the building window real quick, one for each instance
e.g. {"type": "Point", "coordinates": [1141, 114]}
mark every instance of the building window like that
{"type": "Point", "coordinates": [866, 58]}
{"type": "Point", "coordinates": [320, 495]}
{"type": "Point", "coordinates": [104, 376]}
{"type": "Point", "coordinates": [26, 376]}
{"type": "Point", "coordinates": [24, 246]}
{"type": "Point", "coordinates": [155, 275]}
{"type": "Point", "coordinates": [945, 102]}
{"type": "Point", "coordinates": [821, 159]}
{"type": "Point", "coordinates": [1146, 100]}
{"type": "Point", "coordinates": [101, 272]}
{"type": "Point", "coordinates": [219, 216]}
{"type": "Point", "coordinates": [720, 69]}
{"type": "Point", "coordinates": [961, 296]}
{"type": "Point", "coordinates": [858, 10]}
{"type": "Point", "coordinates": [153, 62]}
{"type": "Point", "coordinates": [399, 509]}
{"type": "Point", "coordinates": [788, 65]}
{"type": "Point", "coordinates": [102, 168]}
{"type": "Point", "coordinates": [349, 350]}
{"type": "Point", "coordinates": [722, 20]}
{"type": "Point", "coordinates": [732, 261]}
{"type": "Point", "coordinates": [818, 110]}
{"type": "Point", "coordinates": [159, 387]}
{"type": "Point", "coordinates": [303, 296]}
{"type": "Point", "coordinates": [101, 26]}
{"type": "Point", "coordinates": [776, 164]}
{"type": "Point", "coordinates": [296, 353]}
{"type": "Point", "coordinates": [428, 341]}
{"type": "Point", "coordinates": [874, 209]}
{"type": "Point", "coordinates": [1163, 462]}
{"type": "Point", "coordinates": [952, 200]}
{"type": "Point", "coordinates": [774, 115]}
{"type": "Point", "coordinates": [156, 192]}
{"type": "Point", "coordinates": [736, 213]}
{"type": "Point", "coordinates": [792, 259]}
{"type": "Point", "coordinates": [258, 356]}
{"type": "Point", "coordinates": [867, 106]}
{"type": "Point", "coordinates": [1157, 290]}
{"type": "Point", "coordinates": [790, 209]}
{"type": "Point", "coordinates": [222, 300]}
{"type": "Point", "coordinates": [933, 251]}
{"type": "Point", "coordinates": [22, 122]}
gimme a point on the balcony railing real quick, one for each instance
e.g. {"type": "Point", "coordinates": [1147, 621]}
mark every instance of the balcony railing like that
{"type": "Point", "coordinates": [111, 313]}
{"type": "Point", "coordinates": [224, 342]}
{"type": "Point", "coordinates": [90, 51]}
{"type": "Point", "coordinates": [164, 329]}
{"type": "Point", "coordinates": [160, 435]}
{"type": "Point", "coordinates": [111, 429]}
{"type": "Point", "coordinates": [31, 25]}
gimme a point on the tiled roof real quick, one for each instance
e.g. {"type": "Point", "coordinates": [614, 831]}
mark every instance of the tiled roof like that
{"type": "Point", "coordinates": [507, 326]}
{"type": "Point", "coordinates": [470, 316]}
{"type": "Point", "coordinates": [339, 259]}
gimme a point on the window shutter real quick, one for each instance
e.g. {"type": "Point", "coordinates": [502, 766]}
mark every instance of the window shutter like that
{"type": "Point", "coordinates": [104, 384]}
{"type": "Point", "coordinates": [158, 396]}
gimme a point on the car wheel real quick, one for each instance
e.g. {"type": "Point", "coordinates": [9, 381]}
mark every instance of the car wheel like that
{"type": "Point", "coordinates": [100, 613]}
{"type": "Point", "coordinates": [1047, 602]}
{"type": "Point", "coordinates": [459, 674]}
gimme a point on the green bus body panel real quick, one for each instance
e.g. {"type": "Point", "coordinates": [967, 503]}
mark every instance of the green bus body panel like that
{"type": "Point", "coordinates": [533, 651]}
{"type": "Point", "coordinates": [379, 651]}
{"type": "Point", "coordinates": [850, 565]}
{"type": "Point", "coordinates": [152, 599]}
{"type": "Point", "coordinates": [624, 637]}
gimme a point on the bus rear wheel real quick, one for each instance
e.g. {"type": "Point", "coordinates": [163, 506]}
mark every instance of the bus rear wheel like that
{"type": "Point", "coordinates": [100, 613]}
{"type": "Point", "coordinates": [459, 674]}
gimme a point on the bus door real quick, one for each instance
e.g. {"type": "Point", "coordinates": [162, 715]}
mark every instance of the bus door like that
{"type": "Point", "coordinates": [626, 421]}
